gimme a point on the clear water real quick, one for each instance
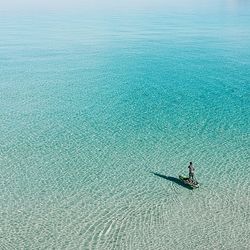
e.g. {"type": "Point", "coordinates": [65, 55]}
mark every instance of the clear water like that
{"type": "Point", "coordinates": [94, 105]}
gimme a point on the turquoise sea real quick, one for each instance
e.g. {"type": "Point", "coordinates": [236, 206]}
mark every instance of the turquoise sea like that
{"type": "Point", "coordinates": [100, 111]}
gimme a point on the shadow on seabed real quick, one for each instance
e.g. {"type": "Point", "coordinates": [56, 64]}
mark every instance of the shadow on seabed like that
{"type": "Point", "coordinates": [173, 179]}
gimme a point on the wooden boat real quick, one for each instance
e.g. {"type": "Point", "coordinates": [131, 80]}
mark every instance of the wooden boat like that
{"type": "Point", "coordinates": [188, 182]}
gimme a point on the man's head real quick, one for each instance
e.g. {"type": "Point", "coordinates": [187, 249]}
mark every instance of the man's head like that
{"type": "Point", "coordinates": [191, 163]}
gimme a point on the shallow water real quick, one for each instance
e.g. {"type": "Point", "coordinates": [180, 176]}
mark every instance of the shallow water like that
{"type": "Point", "coordinates": [99, 113]}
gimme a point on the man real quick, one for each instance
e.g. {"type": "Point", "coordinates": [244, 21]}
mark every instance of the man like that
{"type": "Point", "coordinates": [191, 171]}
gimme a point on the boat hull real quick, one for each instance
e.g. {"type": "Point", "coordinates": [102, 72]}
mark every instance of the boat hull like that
{"type": "Point", "coordinates": [192, 184]}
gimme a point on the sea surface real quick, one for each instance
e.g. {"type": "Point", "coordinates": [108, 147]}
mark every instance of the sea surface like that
{"type": "Point", "coordinates": [100, 111]}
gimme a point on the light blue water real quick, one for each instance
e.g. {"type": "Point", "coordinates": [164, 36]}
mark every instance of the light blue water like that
{"type": "Point", "coordinates": [92, 105]}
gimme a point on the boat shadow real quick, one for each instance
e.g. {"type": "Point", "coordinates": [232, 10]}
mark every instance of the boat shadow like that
{"type": "Point", "coordinates": [173, 179]}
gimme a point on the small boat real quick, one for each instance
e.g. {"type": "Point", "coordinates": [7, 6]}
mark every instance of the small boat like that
{"type": "Point", "coordinates": [190, 183]}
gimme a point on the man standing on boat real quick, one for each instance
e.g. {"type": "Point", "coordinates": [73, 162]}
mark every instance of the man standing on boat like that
{"type": "Point", "coordinates": [191, 171]}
